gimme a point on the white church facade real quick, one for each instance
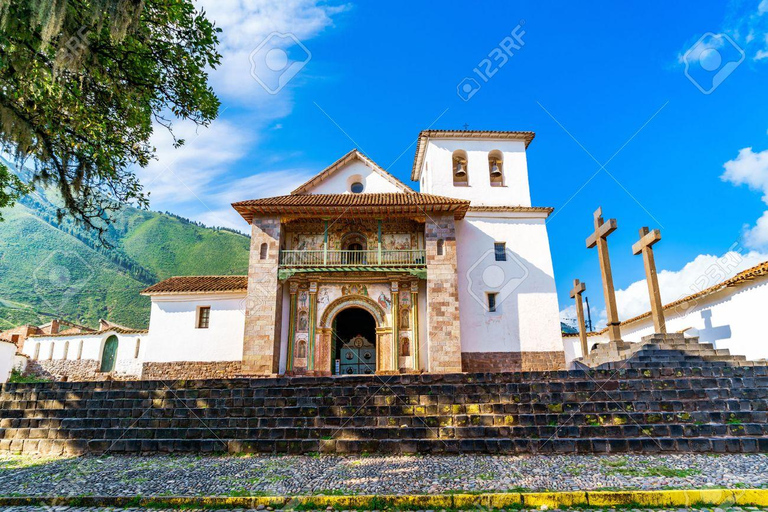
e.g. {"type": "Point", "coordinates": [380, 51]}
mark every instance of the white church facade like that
{"type": "Point", "coordinates": [355, 272]}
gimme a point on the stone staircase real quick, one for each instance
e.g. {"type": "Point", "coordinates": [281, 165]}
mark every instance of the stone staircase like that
{"type": "Point", "coordinates": [661, 351]}
{"type": "Point", "coordinates": [714, 408]}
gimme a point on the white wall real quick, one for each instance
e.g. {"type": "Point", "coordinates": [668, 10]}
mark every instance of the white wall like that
{"type": "Point", "coordinates": [356, 170]}
{"type": "Point", "coordinates": [7, 355]}
{"type": "Point", "coordinates": [173, 335]}
{"type": "Point", "coordinates": [68, 347]}
{"type": "Point", "coordinates": [527, 316]}
{"type": "Point", "coordinates": [437, 173]}
{"type": "Point", "coordinates": [731, 318]}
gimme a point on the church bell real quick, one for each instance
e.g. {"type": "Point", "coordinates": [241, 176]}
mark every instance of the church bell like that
{"type": "Point", "coordinates": [495, 171]}
{"type": "Point", "coordinates": [460, 171]}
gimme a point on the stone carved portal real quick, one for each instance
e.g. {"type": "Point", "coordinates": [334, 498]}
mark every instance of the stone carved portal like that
{"type": "Point", "coordinates": [354, 325]}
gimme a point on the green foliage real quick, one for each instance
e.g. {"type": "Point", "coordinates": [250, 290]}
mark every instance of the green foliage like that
{"type": "Point", "coordinates": [83, 82]}
{"type": "Point", "coordinates": [18, 377]}
{"type": "Point", "coordinates": [57, 269]}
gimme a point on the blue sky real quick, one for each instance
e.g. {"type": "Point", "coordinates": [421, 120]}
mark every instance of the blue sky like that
{"type": "Point", "coordinates": [607, 84]}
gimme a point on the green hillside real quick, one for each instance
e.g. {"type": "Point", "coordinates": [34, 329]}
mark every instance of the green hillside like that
{"type": "Point", "coordinates": [49, 269]}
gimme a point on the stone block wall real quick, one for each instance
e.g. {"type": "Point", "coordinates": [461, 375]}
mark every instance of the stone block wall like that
{"type": "Point", "coordinates": [512, 361]}
{"type": "Point", "coordinates": [263, 310]}
{"type": "Point", "coordinates": [190, 370]}
{"type": "Point", "coordinates": [443, 331]}
{"type": "Point", "coordinates": [72, 370]}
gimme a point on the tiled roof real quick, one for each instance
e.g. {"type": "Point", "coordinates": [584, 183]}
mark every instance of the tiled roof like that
{"type": "Point", "coordinates": [739, 279]}
{"type": "Point", "coordinates": [352, 204]}
{"type": "Point", "coordinates": [92, 332]}
{"type": "Point", "coordinates": [421, 145]}
{"type": "Point", "coordinates": [516, 209]}
{"type": "Point", "coordinates": [198, 284]}
{"type": "Point", "coordinates": [341, 162]}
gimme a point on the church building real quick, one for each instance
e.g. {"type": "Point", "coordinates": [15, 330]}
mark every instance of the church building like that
{"type": "Point", "coordinates": [355, 272]}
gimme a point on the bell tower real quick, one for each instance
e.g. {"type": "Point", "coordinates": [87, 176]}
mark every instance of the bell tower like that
{"type": "Point", "coordinates": [486, 167]}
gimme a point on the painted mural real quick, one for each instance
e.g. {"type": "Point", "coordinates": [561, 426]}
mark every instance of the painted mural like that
{"type": "Point", "coordinates": [397, 241]}
{"type": "Point", "coordinates": [303, 242]}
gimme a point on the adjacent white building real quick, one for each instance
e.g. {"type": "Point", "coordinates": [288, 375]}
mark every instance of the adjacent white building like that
{"type": "Point", "coordinates": [724, 314]}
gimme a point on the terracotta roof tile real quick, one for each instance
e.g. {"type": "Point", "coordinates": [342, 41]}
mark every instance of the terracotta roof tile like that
{"type": "Point", "coordinates": [516, 209]}
{"type": "Point", "coordinates": [92, 332]}
{"type": "Point", "coordinates": [198, 284]}
{"type": "Point", "coordinates": [340, 204]}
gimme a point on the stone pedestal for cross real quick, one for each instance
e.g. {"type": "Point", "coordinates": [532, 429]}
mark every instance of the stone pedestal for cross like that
{"type": "Point", "coordinates": [578, 289]}
{"type": "Point", "coordinates": [644, 246]}
{"type": "Point", "coordinates": [599, 239]}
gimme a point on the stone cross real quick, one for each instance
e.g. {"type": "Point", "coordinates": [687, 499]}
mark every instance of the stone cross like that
{"type": "Point", "coordinates": [645, 246]}
{"type": "Point", "coordinates": [578, 289]}
{"type": "Point", "coordinates": [599, 239]}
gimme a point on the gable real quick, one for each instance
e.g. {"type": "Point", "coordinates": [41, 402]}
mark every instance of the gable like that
{"type": "Point", "coordinates": [353, 167]}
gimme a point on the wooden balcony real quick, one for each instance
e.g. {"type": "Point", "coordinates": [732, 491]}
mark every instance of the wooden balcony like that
{"type": "Point", "coordinates": [352, 259]}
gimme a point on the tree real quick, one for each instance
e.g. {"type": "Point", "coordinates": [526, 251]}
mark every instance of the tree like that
{"type": "Point", "coordinates": [83, 82]}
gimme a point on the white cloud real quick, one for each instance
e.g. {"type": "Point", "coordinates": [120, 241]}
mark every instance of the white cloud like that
{"type": "Point", "coordinates": [200, 178]}
{"type": "Point", "coordinates": [704, 271]}
{"type": "Point", "coordinates": [245, 24]}
{"type": "Point", "coordinates": [749, 29]}
{"type": "Point", "coordinates": [751, 169]}
{"type": "Point", "coordinates": [568, 316]}
{"type": "Point", "coordinates": [254, 186]}
{"type": "Point", "coordinates": [757, 236]}
{"type": "Point", "coordinates": [181, 173]}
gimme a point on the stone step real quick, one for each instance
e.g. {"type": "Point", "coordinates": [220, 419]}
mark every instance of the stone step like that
{"type": "Point", "coordinates": [660, 399]}
{"type": "Point", "coordinates": [684, 405]}
{"type": "Point", "coordinates": [436, 446]}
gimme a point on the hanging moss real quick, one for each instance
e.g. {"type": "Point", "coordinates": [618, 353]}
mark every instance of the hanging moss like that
{"type": "Point", "coordinates": [83, 83]}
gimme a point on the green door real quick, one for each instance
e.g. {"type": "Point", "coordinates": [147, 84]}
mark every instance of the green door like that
{"type": "Point", "coordinates": [109, 354]}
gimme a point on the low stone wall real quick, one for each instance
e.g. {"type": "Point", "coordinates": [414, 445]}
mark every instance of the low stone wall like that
{"type": "Point", "coordinates": [191, 370]}
{"type": "Point", "coordinates": [58, 369]}
{"type": "Point", "coordinates": [512, 361]}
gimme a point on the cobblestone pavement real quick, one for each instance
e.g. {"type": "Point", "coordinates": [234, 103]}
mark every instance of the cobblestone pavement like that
{"type": "Point", "coordinates": [97, 509]}
{"type": "Point", "coordinates": [160, 475]}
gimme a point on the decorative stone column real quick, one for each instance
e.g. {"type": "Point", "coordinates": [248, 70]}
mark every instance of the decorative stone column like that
{"type": "Point", "coordinates": [394, 352]}
{"type": "Point", "coordinates": [264, 300]}
{"type": "Point", "coordinates": [415, 326]}
{"type": "Point", "coordinates": [385, 340]}
{"type": "Point", "coordinates": [443, 333]}
{"type": "Point", "coordinates": [324, 363]}
{"type": "Point", "coordinates": [312, 354]}
{"type": "Point", "coordinates": [293, 289]}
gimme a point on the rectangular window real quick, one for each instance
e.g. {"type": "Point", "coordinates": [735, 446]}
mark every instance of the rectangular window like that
{"type": "Point", "coordinates": [203, 317]}
{"type": "Point", "coordinates": [500, 251]}
{"type": "Point", "coordinates": [492, 302]}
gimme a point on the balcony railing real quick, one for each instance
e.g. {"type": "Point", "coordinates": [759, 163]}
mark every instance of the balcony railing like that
{"type": "Point", "coordinates": [353, 258]}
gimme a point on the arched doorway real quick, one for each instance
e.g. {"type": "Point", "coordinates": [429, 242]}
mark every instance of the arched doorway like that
{"type": "Point", "coordinates": [354, 246]}
{"type": "Point", "coordinates": [353, 342]}
{"type": "Point", "coordinates": [109, 354]}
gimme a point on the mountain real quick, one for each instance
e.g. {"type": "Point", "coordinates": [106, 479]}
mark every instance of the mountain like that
{"type": "Point", "coordinates": [56, 269]}
{"type": "Point", "coordinates": [568, 329]}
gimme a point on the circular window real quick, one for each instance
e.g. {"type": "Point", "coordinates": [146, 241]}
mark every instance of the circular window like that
{"type": "Point", "coordinates": [356, 187]}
